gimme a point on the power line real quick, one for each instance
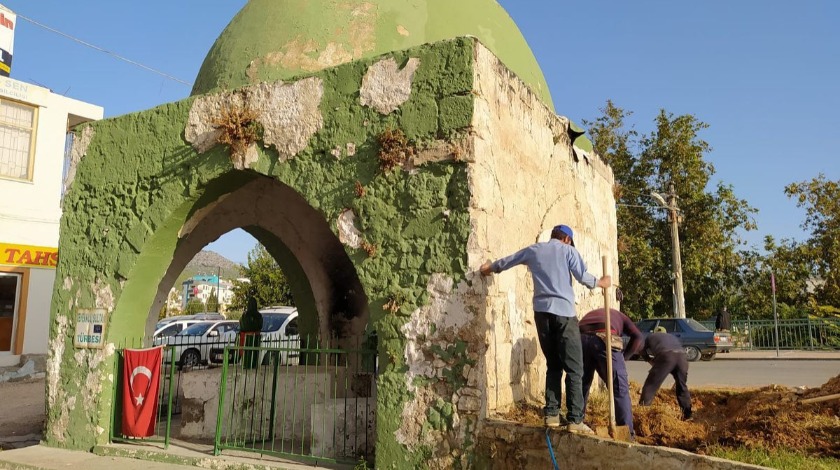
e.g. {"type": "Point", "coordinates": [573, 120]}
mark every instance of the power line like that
{"type": "Point", "coordinates": [113, 54]}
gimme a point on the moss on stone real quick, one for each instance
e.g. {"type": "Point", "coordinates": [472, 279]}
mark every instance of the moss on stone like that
{"type": "Point", "coordinates": [140, 182]}
{"type": "Point", "coordinates": [453, 109]}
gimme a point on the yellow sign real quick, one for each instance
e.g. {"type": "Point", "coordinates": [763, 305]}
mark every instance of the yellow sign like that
{"type": "Point", "coordinates": [26, 255]}
{"type": "Point", "coordinates": [90, 328]}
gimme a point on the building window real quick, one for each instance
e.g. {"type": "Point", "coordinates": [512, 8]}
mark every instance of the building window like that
{"type": "Point", "coordinates": [17, 139]}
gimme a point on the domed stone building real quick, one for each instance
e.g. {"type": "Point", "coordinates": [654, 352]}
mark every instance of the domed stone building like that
{"type": "Point", "coordinates": [380, 151]}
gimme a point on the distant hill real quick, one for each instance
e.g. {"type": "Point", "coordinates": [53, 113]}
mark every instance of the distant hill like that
{"type": "Point", "coordinates": [210, 263]}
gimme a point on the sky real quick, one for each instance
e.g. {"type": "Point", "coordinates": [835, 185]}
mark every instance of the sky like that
{"type": "Point", "coordinates": [764, 74]}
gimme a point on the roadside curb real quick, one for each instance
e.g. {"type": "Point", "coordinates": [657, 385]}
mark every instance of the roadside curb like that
{"type": "Point", "coordinates": [773, 357]}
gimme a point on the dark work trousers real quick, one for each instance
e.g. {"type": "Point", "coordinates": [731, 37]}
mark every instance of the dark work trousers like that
{"type": "Point", "coordinates": [674, 363]}
{"type": "Point", "coordinates": [595, 360]}
{"type": "Point", "coordinates": [560, 344]}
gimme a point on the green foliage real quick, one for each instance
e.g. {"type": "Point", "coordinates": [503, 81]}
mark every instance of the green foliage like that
{"type": "Point", "coordinates": [791, 268]}
{"type": "Point", "coordinates": [213, 301]}
{"type": "Point", "coordinates": [194, 306]}
{"type": "Point", "coordinates": [821, 199]}
{"type": "Point", "coordinates": [807, 273]}
{"type": "Point", "coordinates": [268, 284]}
{"type": "Point", "coordinates": [710, 217]}
{"type": "Point", "coordinates": [776, 458]}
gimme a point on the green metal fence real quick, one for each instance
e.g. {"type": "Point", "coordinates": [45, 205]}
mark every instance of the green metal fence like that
{"type": "Point", "coordinates": [294, 398]}
{"type": "Point", "coordinates": [804, 333]}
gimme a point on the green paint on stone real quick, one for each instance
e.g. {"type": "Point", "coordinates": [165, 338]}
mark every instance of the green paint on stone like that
{"type": "Point", "coordinates": [452, 112]}
{"type": "Point", "coordinates": [279, 39]}
{"type": "Point", "coordinates": [140, 182]}
{"type": "Point", "coordinates": [419, 117]}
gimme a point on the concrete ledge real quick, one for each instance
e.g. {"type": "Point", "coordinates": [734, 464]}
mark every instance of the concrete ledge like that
{"type": "Point", "coordinates": [42, 457]}
{"type": "Point", "coordinates": [506, 445]}
{"type": "Point", "coordinates": [182, 456]}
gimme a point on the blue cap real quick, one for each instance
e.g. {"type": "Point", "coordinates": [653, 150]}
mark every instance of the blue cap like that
{"type": "Point", "coordinates": [565, 230]}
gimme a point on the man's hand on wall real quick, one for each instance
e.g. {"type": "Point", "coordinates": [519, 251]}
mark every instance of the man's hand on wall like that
{"type": "Point", "coordinates": [485, 268]}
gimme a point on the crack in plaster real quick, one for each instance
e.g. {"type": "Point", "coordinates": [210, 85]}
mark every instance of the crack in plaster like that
{"type": "Point", "coordinates": [348, 234]}
{"type": "Point", "coordinates": [289, 114]}
{"type": "Point", "coordinates": [385, 87]}
{"type": "Point", "coordinates": [310, 56]}
{"type": "Point", "coordinates": [56, 351]}
{"type": "Point", "coordinates": [444, 320]}
{"type": "Point", "coordinates": [103, 294]}
{"type": "Point", "coordinates": [77, 151]}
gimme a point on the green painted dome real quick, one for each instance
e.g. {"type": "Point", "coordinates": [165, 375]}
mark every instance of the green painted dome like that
{"type": "Point", "coordinates": [280, 39]}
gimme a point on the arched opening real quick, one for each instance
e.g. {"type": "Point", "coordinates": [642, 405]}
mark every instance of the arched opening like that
{"type": "Point", "coordinates": [326, 288]}
{"type": "Point", "coordinates": [332, 317]}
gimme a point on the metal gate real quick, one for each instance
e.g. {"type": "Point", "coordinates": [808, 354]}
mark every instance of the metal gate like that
{"type": "Point", "coordinates": [298, 400]}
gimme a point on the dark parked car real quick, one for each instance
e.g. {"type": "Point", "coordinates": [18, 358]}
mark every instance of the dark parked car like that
{"type": "Point", "coordinates": [699, 342]}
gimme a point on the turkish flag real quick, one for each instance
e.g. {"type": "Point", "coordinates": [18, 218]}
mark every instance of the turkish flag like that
{"type": "Point", "coordinates": [141, 377]}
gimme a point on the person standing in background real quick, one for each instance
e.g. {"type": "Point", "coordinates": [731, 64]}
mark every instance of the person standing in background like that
{"type": "Point", "coordinates": [723, 322]}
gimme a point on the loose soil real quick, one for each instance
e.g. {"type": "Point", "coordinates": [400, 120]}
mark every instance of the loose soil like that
{"type": "Point", "coordinates": [771, 418]}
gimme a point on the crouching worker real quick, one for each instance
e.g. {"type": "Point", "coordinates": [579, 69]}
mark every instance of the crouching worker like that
{"type": "Point", "coordinates": [666, 356]}
{"type": "Point", "coordinates": [593, 341]}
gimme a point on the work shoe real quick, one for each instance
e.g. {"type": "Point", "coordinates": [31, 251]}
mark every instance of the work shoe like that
{"type": "Point", "coordinates": [579, 428]}
{"type": "Point", "coordinates": [554, 421]}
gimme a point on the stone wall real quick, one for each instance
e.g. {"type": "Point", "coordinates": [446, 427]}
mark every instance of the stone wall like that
{"type": "Point", "coordinates": [526, 179]}
{"type": "Point", "coordinates": [311, 407]}
{"type": "Point", "coordinates": [409, 195]}
{"type": "Point", "coordinates": [471, 351]}
{"type": "Point", "coordinates": [511, 446]}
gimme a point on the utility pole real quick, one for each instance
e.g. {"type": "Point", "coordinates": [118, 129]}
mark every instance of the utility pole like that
{"type": "Point", "coordinates": [676, 261]}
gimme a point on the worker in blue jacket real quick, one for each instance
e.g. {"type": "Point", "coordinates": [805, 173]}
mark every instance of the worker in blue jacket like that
{"type": "Point", "coordinates": [553, 264]}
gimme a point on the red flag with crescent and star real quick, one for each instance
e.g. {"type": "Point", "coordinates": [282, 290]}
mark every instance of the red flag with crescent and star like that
{"type": "Point", "coordinates": [141, 377]}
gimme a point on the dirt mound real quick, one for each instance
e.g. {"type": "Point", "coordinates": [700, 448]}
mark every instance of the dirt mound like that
{"type": "Point", "coordinates": [772, 417]}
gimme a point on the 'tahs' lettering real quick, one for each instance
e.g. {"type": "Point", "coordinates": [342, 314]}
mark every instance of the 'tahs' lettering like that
{"type": "Point", "coordinates": [6, 22]}
{"type": "Point", "coordinates": [25, 257]}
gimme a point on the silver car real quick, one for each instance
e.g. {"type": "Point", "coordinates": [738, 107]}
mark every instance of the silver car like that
{"type": "Point", "coordinates": [193, 344]}
{"type": "Point", "coordinates": [279, 330]}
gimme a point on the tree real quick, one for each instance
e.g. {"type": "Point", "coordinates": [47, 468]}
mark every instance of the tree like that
{"type": "Point", "coordinates": [789, 263]}
{"type": "Point", "coordinates": [637, 255]}
{"type": "Point", "coordinates": [173, 302]}
{"type": "Point", "coordinates": [821, 199]}
{"type": "Point", "coordinates": [265, 281]}
{"type": "Point", "coordinates": [710, 219]}
{"type": "Point", "coordinates": [195, 305]}
{"type": "Point", "coordinates": [213, 301]}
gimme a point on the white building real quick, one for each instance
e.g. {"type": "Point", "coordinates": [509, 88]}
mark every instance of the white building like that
{"type": "Point", "coordinates": [205, 287]}
{"type": "Point", "coordinates": [34, 125]}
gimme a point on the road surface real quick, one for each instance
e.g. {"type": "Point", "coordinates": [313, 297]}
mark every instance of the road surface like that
{"type": "Point", "coordinates": [746, 373]}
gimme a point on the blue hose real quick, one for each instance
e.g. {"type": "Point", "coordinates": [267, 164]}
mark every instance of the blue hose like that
{"type": "Point", "coordinates": [551, 450]}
